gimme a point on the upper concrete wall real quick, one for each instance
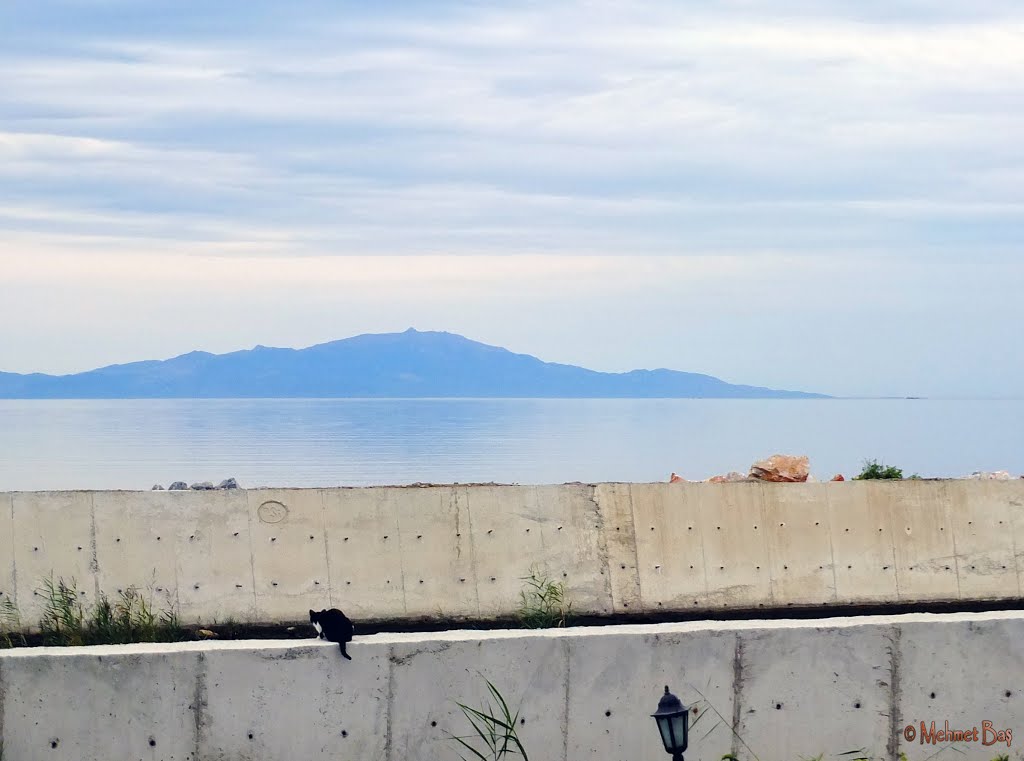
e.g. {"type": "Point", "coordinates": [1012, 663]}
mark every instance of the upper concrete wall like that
{"type": "Point", "coordinates": [461, 551]}
{"type": "Point", "coordinates": [790, 689]}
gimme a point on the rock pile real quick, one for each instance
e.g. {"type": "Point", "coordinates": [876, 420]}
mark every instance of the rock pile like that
{"type": "Point", "coordinates": [227, 483]}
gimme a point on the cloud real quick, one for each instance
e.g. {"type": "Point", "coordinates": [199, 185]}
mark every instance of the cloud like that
{"type": "Point", "coordinates": [740, 142]}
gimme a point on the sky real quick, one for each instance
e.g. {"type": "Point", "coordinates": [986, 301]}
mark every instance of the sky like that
{"type": "Point", "coordinates": [809, 194]}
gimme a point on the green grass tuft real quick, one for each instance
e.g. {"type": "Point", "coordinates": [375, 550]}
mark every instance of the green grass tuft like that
{"type": "Point", "coordinates": [544, 603]}
{"type": "Point", "coordinates": [875, 471]}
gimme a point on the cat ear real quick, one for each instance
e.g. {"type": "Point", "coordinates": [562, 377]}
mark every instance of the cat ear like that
{"type": "Point", "coordinates": [311, 613]}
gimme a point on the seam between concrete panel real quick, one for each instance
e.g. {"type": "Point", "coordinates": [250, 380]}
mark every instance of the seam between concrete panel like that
{"type": "Point", "coordinates": [947, 519]}
{"type": "Point", "coordinates": [831, 546]}
{"type": "Point", "coordinates": [602, 544]}
{"type": "Point", "coordinates": [252, 560]}
{"type": "Point", "coordinates": [14, 555]}
{"type": "Point", "coordinates": [737, 694]}
{"type": "Point", "coordinates": [3, 701]}
{"type": "Point", "coordinates": [327, 552]}
{"type": "Point", "coordinates": [472, 544]}
{"type": "Point", "coordinates": [199, 697]}
{"type": "Point", "coordinates": [401, 560]}
{"type": "Point", "coordinates": [636, 552]}
{"type": "Point", "coordinates": [699, 523]}
{"type": "Point", "coordinates": [94, 563]}
{"type": "Point", "coordinates": [568, 674]}
{"type": "Point", "coordinates": [390, 708]}
{"type": "Point", "coordinates": [1013, 542]}
{"type": "Point", "coordinates": [895, 694]}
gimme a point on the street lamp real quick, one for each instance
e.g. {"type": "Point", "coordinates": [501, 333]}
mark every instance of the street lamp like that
{"type": "Point", "coordinates": [674, 724]}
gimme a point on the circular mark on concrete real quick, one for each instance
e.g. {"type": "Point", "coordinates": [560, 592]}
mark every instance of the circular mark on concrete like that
{"type": "Point", "coordinates": [272, 511]}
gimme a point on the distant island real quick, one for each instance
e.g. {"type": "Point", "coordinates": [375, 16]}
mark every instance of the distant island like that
{"type": "Point", "coordinates": [412, 364]}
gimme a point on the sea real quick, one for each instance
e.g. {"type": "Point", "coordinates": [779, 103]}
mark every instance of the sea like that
{"type": "Point", "coordinates": [134, 444]}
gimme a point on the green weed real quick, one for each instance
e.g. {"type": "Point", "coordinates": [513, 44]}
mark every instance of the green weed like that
{"type": "Point", "coordinates": [544, 603]}
{"type": "Point", "coordinates": [10, 626]}
{"type": "Point", "coordinates": [494, 731]}
{"type": "Point", "coordinates": [130, 617]}
{"type": "Point", "coordinates": [875, 471]}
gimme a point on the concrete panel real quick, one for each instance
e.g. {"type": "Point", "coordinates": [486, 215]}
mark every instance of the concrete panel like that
{"type": "Point", "coordinates": [53, 533]}
{"type": "Point", "coordinates": [922, 538]}
{"type": "Point", "coordinates": [983, 535]}
{"type": "Point", "coordinates": [429, 674]}
{"type": "Point", "coordinates": [964, 670]}
{"type": "Point", "coordinates": [512, 531]}
{"type": "Point", "coordinates": [669, 546]}
{"type": "Point", "coordinates": [1013, 493]}
{"type": "Point", "coordinates": [799, 544]}
{"type": "Point", "coordinates": [862, 544]}
{"type": "Point", "coordinates": [196, 555]}
{"type": "Point", "coordinates": [98, 704]}
{"type": "Point", "coordinates": [287, 700]}
{"type": "Point", "coordinates": [618, 676]}
{"type": "Point", "coordinates": [289, 552]}
{"type": "Point", "coordinates": [573, 541]}
{"type": "Point", "coordinates": [615, 504]}
{"type": "Point", "coordinates": [365, 568]}
{"type": "Point", "coordinates": [215, 561]}
{"type": "Point", "coordinates": [812, 690]}
{"type": "Point", "coordinates": [8, 574]}
{"type": "Point", "coordinates": [436, 541]}
{"type": "Point", "coordinates": [736, 558]}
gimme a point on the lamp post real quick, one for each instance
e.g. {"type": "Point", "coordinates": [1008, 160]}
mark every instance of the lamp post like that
{"type": "Point", "coordinates": [673, 723]}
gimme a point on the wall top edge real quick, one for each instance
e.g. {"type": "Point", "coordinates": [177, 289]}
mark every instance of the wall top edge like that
{"type": "Point", "coordinates": [907, 483]}
{"type": "Point", "coordinates": [270, 647]}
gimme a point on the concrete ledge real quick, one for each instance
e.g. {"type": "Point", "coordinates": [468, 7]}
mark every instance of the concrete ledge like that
{"type": "Point", "coordinates": [792, 689]}
{"type": "Point", "coordinates": [460, 552]}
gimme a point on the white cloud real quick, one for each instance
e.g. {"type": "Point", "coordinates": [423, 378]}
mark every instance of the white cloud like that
{"type": "Point", "coordinates": [772, 157]}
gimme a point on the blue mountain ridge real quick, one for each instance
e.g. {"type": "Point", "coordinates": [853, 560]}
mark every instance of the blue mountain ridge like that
{"type": "Point", "coordinates": [413, 364]}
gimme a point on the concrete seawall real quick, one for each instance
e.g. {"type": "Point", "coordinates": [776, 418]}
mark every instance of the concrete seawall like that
{"type": "Point", "coordinates": [461, 551]}
{"type": "Point", "coordinates": [792, 689]}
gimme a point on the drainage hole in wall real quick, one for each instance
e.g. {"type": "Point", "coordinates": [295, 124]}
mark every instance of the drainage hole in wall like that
{"type": "Point", "coordinates": [932, 696]}
{"type": "Point", "coordinates": [856, 705]}
{"type": "Point", "coordinates": [433, 723]}
{"type": "Point", "coordinates": [152, 743]}
{"type": "Point", "coordinates": [54, 743]}
{"type": "Point", "coordinates": [344, 733]}
{"type": "Point", "coordinates": [522, 721]}
{"type": "Point", "coordinates": [607, 713]}
{"type": "Point", "coordinates": [250, 735]}
{"type": "Point", "coordinates": [778, 706]}
{"type": "Point", "coordinates": [1008, 693]}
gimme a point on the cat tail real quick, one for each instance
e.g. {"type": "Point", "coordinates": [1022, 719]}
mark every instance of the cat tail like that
{"type": "Point", "coordinates": [343, 651]}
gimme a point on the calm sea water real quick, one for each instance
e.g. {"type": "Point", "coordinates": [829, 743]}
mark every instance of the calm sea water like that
{"type": "Point", "coordinates": [292, 442]}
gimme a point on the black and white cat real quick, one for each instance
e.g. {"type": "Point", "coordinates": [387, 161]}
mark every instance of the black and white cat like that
{"type": "Point", "coordinates": [334, 626]}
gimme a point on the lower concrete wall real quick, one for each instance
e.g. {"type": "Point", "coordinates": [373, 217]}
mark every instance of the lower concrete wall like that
{"type": "Point", "coordinates": [461, 551]}
{"type": "Point", "coordinates": [791, 689]}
